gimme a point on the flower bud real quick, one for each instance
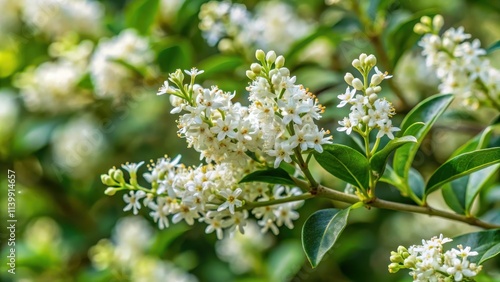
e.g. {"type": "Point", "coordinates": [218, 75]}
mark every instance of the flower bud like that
{"type": "Point", "coordinates": [373, 97]}
{"type": "Point", "coordinates": [362, 58]}
{"type": "Point", "coordinates": [377, 89]}
{"type": "Point", "coordinates": [110, 191]}
{"type": "Point", "coordinates": [402, 249]}
{"type": "Point", "coordinates": [348, 77]}
{"type": "Point", "coordinates": [271, 57]}
{"type": "Point", "coordinates": [366, 119]}
{"type": "Point", "coordinates": [280, 62]}
{"type": "Point", "coordinates": [250, 74]}
{"type": "Point", "coordinates": [393, 267]}
{"type": "Point", "coordinates": [371, 60]}
{"type": "Point", "coordinates": [426, 20]}
{"type": "Point", "coordinates": [256, 68]}
{"type": "Point", "coordinates": [376, 79]}
{"type": "Point", "coordinates": [356, 83]}
{"type": "Point", "coordinates": [420, 28]}
{"type": "Point", "coordinates": [396, 258]}
{"type": "Point", "coordinates": [356, 63]}
{"type": "Point", "coordinates": [118, 176]}
{"type": "Point", "coordinates": [437, 22]}
{"type": "Point", "coordinates": [106, 180]}
{"type": "Point", "coordinates": [260, 55]}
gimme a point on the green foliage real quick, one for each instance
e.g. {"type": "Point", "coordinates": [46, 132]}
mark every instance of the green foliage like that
{"type": "Point", "coordinates": [379, 160]}
{"type": "Point", "coordinates": [427, 112]}
{"type": "Point", "coordinates": [461, 165]}
{"type": "Point", "coordinates": [140, 15]}
{"type": "Point", "coordinates": [486, 243]}
{"type": "Point", "coordinates": [270, 175]}
{"type": "Point", "coordinates": [320, 232]}
{"type": "Point", "coordinates": [345, 163]}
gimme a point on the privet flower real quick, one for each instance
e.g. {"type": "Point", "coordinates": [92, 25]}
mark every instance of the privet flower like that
{"type": "Point", "coordinates": [427, 262]}
{"type": "Point", "coordinates": [117, 62]}
{"type": "Point", "coordinates": [459, 64]}
{"type": "Point", "coordinates": [273, 25]}
{"type": "Point", "coordinates": [126, 254]}
{"type": "Point", "coordinates": [234, 140]}
{"type": "Point", "coordinates": [368, 111]}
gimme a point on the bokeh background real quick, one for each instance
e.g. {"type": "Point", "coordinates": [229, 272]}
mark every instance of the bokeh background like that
{"type": "Point", "coordinates": [78, 82]}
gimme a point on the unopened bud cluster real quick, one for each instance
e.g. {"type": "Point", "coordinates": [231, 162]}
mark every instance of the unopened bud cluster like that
{"type": "Point", "coordinates": [460, 65]}
{"type": "Point", "coordinates": [368, 111]}
{"type": "Point", "coordinates": [428, 262]}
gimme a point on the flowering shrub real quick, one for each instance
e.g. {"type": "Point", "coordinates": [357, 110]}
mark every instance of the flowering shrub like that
{"type": "Point", "coordinates": [288, 169]}
{"type": "Point", "coordinates": [246, 150]}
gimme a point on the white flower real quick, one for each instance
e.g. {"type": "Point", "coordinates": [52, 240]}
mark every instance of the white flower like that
{"type": "Point", "coordinates": [160, 212]}
{"type": "Point", "coordinates": [347, 97]}
{"type": "Point", "coordinates": [231, 200]}
{"type": "Point", "coordinates": [187, 213]}
{"type": "Point", "coordinates": [163, 89]}
{"type": "Point", "coordinates": [285, 214]}
{"type": "Point", "coordinates": [132, 167]}
{"type": "Point", "coordinates": [387, 129]}
{"type": "Point", "coordinates": [283, 152]}
{"type": "Point", "coordinates": [133, 200]}
{"type": "Point", "coordinates": [194, 72]}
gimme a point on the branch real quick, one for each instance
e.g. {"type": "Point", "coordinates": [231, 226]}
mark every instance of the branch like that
{"type": "Point", "coordinates": [329, 193]}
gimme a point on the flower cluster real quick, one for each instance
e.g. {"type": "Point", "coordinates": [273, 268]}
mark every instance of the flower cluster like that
{"type": "Point", "coordinates": [460, 65]}
{"type": "Point", "coordinates": [279, 123]}
{"type": "Point", "coordinates": [57, 18]}
{"type": "Point", "coordinates": [368, 111]}
{"type": "Point", "coordinates": [234, 140]}
{"type": "Point", "coordinates": [427, 262]}
{"type": "Point", "coordinates": [126, 254]}
{"type": "Point", "coordinates": [274, 25]}
{"type": "Point", "coordinates": [117, 62]}
{"type": "Point", "coordinates": [54, 86]}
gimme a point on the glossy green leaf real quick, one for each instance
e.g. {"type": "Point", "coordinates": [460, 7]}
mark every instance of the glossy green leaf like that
{"type": "Point", "coordinates": [427, 112]}
{"type": "Point", "coordinates": [486, 243]}
{"type": "Point", "coordinates": [379, 159]}
{"type": "Point", "coordinates": [392, 178]}
{"type": "Point", "coordinates": [461, 192]}
{"type": "Point", "coordinates": [272, 175]}
{"type": "Point", "coordinates": [461, 165]}
{"type": "Point", "coordinates": [140, 15]}
{"type": "Point", "coordinates": [454, 196]}
{"type": "Point", "coordinates": [321, 230]}
{"type": "Point", "coordinates": [493, 47]}
{"type": "Point", "coordinates": [345, 163]}
{"type": "Point", "coordinates": [416, 183]}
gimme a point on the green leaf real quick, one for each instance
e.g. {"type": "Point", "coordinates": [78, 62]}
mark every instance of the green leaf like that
{"type": "Point", "coordinates": [486, 243]}
{"type": "Point", "coordinates": [493, 47]}
{"type": "Point", "coordinates": [141, 14]}
{"type": "Point", "coordinates": [390, 177]}
{"type": "Point", "coordinates": [345, 163]}
{"type": "Point", "coordinates": [379, 159]}
{"type": "Point", "coordinates": [220, 63]}
{"type": "Point", "coordinates": [175, 53]}
{"type": "Point", "coordinates": [416, 183]}
{"type": "Point", "coordinates": [454, 195]}
{"type": "Point", "coordinates": [272, 175]}
{"type": "Point", "coordinates": [427, 112]}
{"type": "Point", "coordinates": [461, 165]}
{"type": "Point", "coordinates": [402, 37]}
{"type": "Point", "coordinates": [321, 230]}
{"type": "Point", "coordinates": [285, 260]}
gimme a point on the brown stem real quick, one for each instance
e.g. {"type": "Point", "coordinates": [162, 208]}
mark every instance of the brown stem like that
{"type": "Point", "coordinates": [329, 193]}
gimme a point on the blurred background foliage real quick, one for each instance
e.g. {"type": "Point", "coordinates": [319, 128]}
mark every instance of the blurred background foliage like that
{"type": "Point", "coordinates": [77, 95]}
